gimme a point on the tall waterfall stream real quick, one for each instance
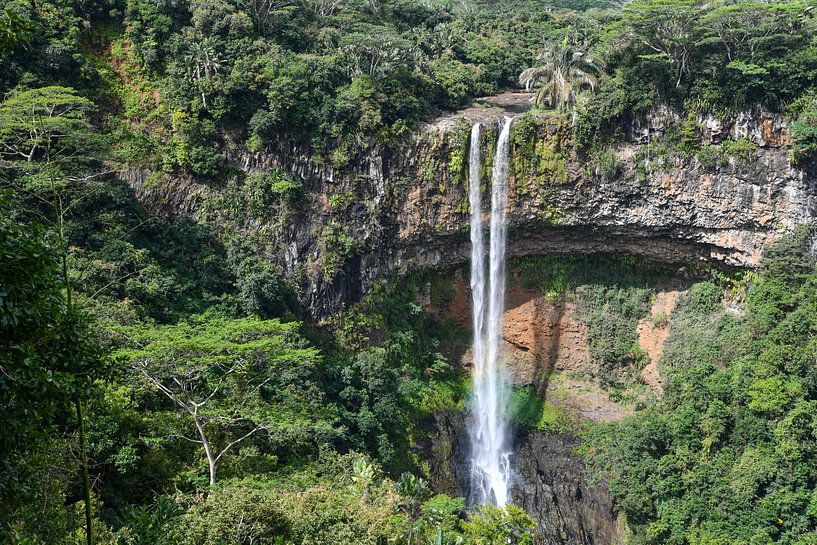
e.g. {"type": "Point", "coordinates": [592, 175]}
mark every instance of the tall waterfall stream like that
{"type": "Point", "coordinates": [490, 441]}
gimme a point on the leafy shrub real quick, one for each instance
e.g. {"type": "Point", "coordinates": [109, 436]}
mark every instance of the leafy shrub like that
{"type": "Point", "coordinates": [336, 246]}
{"type": "Point", "coordinates": [611, 315]}
{"type": "Point", "coordinates": [727, 456]}
{"type": "Point", "coordinates": [804, 134]}
{"type": "Point", "coordinates": [344, 512]}
{"type": "Point", "coordinates": [742, 150]}
{"type": "Point", "coordinates": [490, 525]}
{"type": "Point", "coordinates": [604, 163]}
{"type": "Point", "coordinates": [263, 189]}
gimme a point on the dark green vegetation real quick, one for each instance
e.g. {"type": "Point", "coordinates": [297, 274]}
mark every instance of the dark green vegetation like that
{"type": "Point", "coordinates": [177, 83]}
{"type": "Point", "coordinates": [728, 454]}
{"type": "Point", "coordinates": [161, 379]}
{"type": "Point", "coordinates": [246, 400]}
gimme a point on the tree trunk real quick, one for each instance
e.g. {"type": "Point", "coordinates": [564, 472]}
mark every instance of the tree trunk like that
{"type": "Point", "coordinates": [86, 481]}
{"type": "Point", "coordinates": [211, 459]}
{"type": "Point", "coordinates": [212, 470]}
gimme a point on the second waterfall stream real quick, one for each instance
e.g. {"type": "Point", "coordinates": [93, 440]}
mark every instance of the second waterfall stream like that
{"type": "Point", "coordinates": [488, 431]}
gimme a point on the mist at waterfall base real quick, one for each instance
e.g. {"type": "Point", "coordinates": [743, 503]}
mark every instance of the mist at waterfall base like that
{"type": "Point", "coordinates": [490, 475]}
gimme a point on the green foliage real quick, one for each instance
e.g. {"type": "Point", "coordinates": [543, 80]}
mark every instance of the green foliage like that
{"type": "Point", "coordinates": [527, 409]}
{"type": "Point", "coordinates": [804, 134]}
{"type": "Point", "coordinates": [538, 153]}
{"type": "Point", "coordinates": [386, 388]}
{"type": "Point", "coordinates": [334, 508]}
{"type": "Point", "coordinates": [727, 456]}
{"type": "Point", "coordinates": [16, 31]}
{"type": "Point", "coordinates": [458, 144]}
{"type": "Point", "coordinates": [601, 120]}
{"type": "Point", "coordinates": [716, 57]}
{"type": "Point", "coordinates": [49, 359]}
{"type": "Point", "coordinates": [178, 88]}
{"type": "Point", "coordinates": [267, 196]}
{"type": "Point", "coordinates": [48, 126]}
{"type": "Point", "coordinates": [611, 315]}
{"type": "Point", "coordinates": [336, 246]}
{"type": "Point", "coordinates": [558, 275]}
{"type": "Point", "coordinates": [190, 145]}
{"type": "Point", "coordinates": [232, 378]}
{"type": "Point", "coordinates": [604, 163]}
{"type": "Point", "coordinates": [150, 524]}
{"type": "Point", "coordinates": [413, 491]}
{"type": "Point", "coordinates": [741, 151]}
{"type": "Point", "coordinates": [688, 137]}
{"type": "Point", "coordinates": [490, 525]}
{"type": "Point", "coordinates": [561, 74]}
{"type": "Point", "coordinates": [262, 289]}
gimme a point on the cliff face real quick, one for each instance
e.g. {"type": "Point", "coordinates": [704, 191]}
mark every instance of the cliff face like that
{"type": "Point", "coordinates": [554, 489]}
{"type": "Point", "coordinates": [550, 482]}
{"type": "Point", "coordinates": [405, 207]}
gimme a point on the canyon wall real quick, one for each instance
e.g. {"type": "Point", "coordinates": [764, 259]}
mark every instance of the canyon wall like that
{"type": "Point", "coordinates": [405, 207]}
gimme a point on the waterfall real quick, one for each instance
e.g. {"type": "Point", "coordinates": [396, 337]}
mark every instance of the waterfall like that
{"type": "Point", "coordinates": [490, 446]}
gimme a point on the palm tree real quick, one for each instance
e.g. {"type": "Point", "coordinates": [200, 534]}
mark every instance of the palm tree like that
{"type": "Point", "coordinates": [413, 490]}
{"type": "Point", "coordinates": [561, 74]}
{"type": "Point", "coordinates": [203, 62]}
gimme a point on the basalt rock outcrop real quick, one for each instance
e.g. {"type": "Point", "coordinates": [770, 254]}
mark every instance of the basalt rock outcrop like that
{"type": "Point", "coordinates": [405, 207]}
{"type": "Point", "coordinates": [555, 491]}
{"type": "Point", "coordinates": [550, 481]}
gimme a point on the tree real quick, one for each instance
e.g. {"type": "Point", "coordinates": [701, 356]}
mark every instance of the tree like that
{"type": "Point", "coordinates": [413, 491]}
{"type": "Point", "coordinates": [232, 378]}
{"type": "Point", "coordinates": [48, 141]}
{"type": "Point", "coordinates": [48, 359]}
{"type": "Point", "coordinates": [46, 125]}
{"type": "Point", "coordinates": [265, 10]}
{"type": "Point", "coordinates": [15, 31]}
{"type": "Point", "coordinates": [377, 54]}
{"type": "Point", "coordinates": [203, 62]}
{"type": "Point", "coordinates": [745, 29]}
{"type": "Point", "coordinates": [561, 74]}
{"type": "Point", "coordinates": [491, 525]}
{"type": "Point", "coordinates": [666, 29]}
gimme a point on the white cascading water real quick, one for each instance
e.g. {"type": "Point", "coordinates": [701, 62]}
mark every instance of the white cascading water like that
{"type": "Point", "coordinates": [490, 446]}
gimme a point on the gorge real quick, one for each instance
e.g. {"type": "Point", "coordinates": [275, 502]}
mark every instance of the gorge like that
{"type": "Point", "coordinates": [678, 213]}
{"type": "Point", "coordinates": [389, 272]}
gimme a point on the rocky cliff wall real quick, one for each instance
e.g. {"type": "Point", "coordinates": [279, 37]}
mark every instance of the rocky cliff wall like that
{"type": "Point", "coordinates": [550, 481]}
{"type": "Point", "coordinates": [405, 207]}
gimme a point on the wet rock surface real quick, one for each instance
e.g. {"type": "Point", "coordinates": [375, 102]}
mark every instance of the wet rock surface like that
{"type": "Point", "coordinates": [445, 447]}
{"type": "Point", "coordinates": [550, 480]}
{"type": "Point", "coordinates": [554, 489]}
